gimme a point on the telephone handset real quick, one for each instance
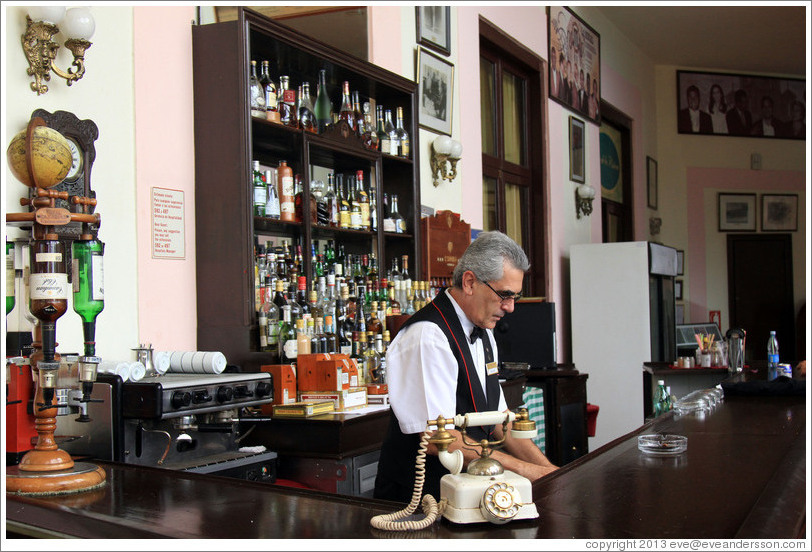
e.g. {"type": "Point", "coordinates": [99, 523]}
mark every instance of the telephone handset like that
{"type": "Point", "coordinates": [485, 493]}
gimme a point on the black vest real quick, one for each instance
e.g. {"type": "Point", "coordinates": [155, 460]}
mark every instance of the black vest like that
{"type": "Point", "coordinates": [396, 467]}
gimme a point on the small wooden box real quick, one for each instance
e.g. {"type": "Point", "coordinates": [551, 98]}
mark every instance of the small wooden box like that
{"type": "Point", "coordinates": [284, 385]}
{"type": "Point", "coordinates": [320, 372]}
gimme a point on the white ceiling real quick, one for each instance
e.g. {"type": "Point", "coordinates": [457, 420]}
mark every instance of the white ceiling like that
{"type": "Point", "coordinates": [749, 39]}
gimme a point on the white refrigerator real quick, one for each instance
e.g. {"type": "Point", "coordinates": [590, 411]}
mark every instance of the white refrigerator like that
{"type": "Point", "coordinates": [622, 308]}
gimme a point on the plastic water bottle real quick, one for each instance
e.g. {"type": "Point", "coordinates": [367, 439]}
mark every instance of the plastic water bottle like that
{"type": "Point", "coordinates": [662, 399]}
{"type": "Point", "coordinates": [772, 356]}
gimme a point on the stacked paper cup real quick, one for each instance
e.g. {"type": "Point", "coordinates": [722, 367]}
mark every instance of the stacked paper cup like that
{"type": "Point", "coordinates": [197, 362]}
{"type": "Point", "coordinates": [137, 370]}
{"type": "Point", "coordinates": [161, 361]}
{"type": "Point", "coordinates": [118, 367]}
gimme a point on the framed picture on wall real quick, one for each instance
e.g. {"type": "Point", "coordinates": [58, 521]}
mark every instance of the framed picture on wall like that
{"type": "Point", "coordinates": [737, 212]}
{"type": "Point", "coordinates": [779, 212]}
{"type": "Point", "coordinates": [651, 181]}
{"type": "Point", "coordinates": [725, 104]}
{"type": "Point", "coordinates": [434, 27]}
{"type": "Point", "coordinates": [574, 51]}
{"type": "Point", "coordinates": [678, 290]}
{"type": "Point", "coordinates": [435, 90]}
{"type": "Point", "coordinates": [577, 150]}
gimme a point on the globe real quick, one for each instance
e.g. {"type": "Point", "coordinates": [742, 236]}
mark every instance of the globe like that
{"type": "Point", "coordinates": [50, 155]}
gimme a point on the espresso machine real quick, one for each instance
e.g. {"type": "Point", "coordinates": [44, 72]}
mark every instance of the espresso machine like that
{"type": "Point", "coordinates": [187, 422]}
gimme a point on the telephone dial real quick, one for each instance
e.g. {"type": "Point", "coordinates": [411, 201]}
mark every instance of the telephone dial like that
{"type": "Point", "coordinates": [485, 493]}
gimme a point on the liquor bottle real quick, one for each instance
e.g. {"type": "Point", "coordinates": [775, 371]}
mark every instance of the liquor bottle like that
{"type": "Point", "coordinates": [330, 335]}
{"type": "Point", "coordinates": [343, 204]}
{"type": "Point", "coordinates": [381, 344]}
{"type": "Point", "coordinates": [373, 323]}
{"type": "Point", "coordinates": [330, 204]}
{"type": "Point", "coordinates": [287, 338]}
{"type": "Point", "coordinates": [394, 272]}
{"type": "Point", "coordinates": [271, 96]}
{"type": "Point", "coordinates": [358, 354]}
{"type": "Point", "coordinates": [287, 207]}
{"type": "Point", "coordinates": [329, 300]}
{"type": "Point", "coordinates": [301, 297]}
{"type": "Point", "coordinates": [287, 102]}
{"type": "Point", "coordinates": [316, 311]}
{"type": "Point", "coordinates": [372, 361]}
{"type": "Point", "coordinates": [344, 323]}
{"type": "Point", "coordinates": [403, 135]}
{"type": "Point", "coordinates": [772, 356]}
{"type": "Point", "coordinates": [260, 191]}
{"type": "Point", "coordinates": [357, 114]}
{"type": "Point", "coordinates": [346, 111]}
{"type": "Point", "coordinates": [370, 135]}
{"type": "Point", "coordinates": [383, 137]}
{"type": "Point", "coordinates": [324, 107]}
{"type": "Point", "coordinates": [404, 272]}
{"type": "Point", "coordinates": [661, 399]}
{"type": "Point", "coordinates": [307, 119]}
{"type": "Point", "coordinates": [321, 336]}
{"type": "Point", "coordinates": [298, 198]}
{"type": "Point", "coordinates": [272, 205]}
{"type": "Point", "coordinates": [356, 222]}
{"type": "Point", "coordinates": [302, 339]}
{"type": "Point", "coordinates": [48, 282]}
{"type": "Point", "coordinates": [11, 296]}
{"type": "Point", "coordinates": [279, 298]}
{"type": "Point", "coordinates": [373, 208]}
{"type": "Point", "coordinates": [363, 200]}
{"type": "Point", "coordinates": [394, 304]}
{"type": "Point", "coordinates": [257, 95]}
{"type": "Point", "coordinates": [397, 218]}
{"type": "Point", "coordinates": [268, 322]}
{"type": "Point", "coordinates": [88, 286]}
{"type": "Point", "coordinates": [409, 309]}
{"type": "Point", "coordinates": [391, 131]}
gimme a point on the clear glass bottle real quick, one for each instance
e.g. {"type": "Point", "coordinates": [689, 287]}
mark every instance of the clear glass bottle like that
{"type": "Point", "coordinates": [307, 119]}
{"type": "Point", "coordinates": [397, 218]}
{"type": "Point", "coordinates": [373, 208]}
{"type": "Point", "coordinates": [287, 102]}
{"type": "Point", "coordinates": [372, 360]}
{"type": "Point", "coordinates": [268, 322]}
{"type": "Point", "coordinates": [88, 286]}
{"type": "Point", "coordinates": [256, 93]}
{"type": "Point", "coordinates": [661, 399]}
{"type": "Point", "coordinates": [403, 135]}
{"type": "Point", "coordinates": [383, 137]}
{"type": "Point", "coordinates": [323, 109]}
{"type": "Point", "coordinates": [356, 219]}
{"type": "Point", "coordinates": [346, 112]}
{"type": "Point", "coordinates": [260, 190]}
{"type": "Point", "coordinates": [11, 295]}
{"type": "Point", "coordinates": [269, 90]}
{"type": "Point", "coordinates": [358, 114]}
{"type": "Point", "coordinates": [272, 207]}
{"type": "Point", "coordinates": [391, 132]}
{"type": "Point", "coordinates": [287, 338]}
{"type": "Point", "coordinates": [331, 203]}
{"type": "Point", "coordinates": [370, 135]}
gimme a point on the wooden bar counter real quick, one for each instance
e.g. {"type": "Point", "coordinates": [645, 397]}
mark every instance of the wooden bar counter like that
{"type": "Point", "coordinates": [743, 476]}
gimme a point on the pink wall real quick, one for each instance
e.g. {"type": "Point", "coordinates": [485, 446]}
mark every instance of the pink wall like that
{"type": "Point", "coordinates": [383, 28]}
{"type": "Point", "coordinates": [164, 142]}
{"type": "Point", "coordinates": [739, 180]}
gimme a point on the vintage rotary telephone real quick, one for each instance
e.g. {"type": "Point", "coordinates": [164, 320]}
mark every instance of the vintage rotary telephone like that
{"type": "Point", "coordinates": [487, 492]}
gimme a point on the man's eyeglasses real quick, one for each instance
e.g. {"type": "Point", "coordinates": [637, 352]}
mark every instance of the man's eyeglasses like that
{"type": "Point", "coordinates": [504, 295]}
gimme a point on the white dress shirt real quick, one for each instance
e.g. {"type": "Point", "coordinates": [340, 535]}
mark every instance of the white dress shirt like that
{"type": "Point", "coordinates": [422, 372]}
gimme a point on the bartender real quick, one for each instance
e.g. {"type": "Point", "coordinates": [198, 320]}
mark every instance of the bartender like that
{"type": "Point", "coordinates": [444, 361]}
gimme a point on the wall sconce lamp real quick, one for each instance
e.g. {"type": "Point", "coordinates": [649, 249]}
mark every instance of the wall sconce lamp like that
{"type": "Point", "coordinates": [41, 50]}
{"type": "Point", "coordinates": [443, 150]}
{"type": "Point", "coordinates": [584, 194]}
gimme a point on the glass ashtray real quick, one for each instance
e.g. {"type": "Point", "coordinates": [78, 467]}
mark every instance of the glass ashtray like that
{"type": "Point", "coordinates": [662, 445]}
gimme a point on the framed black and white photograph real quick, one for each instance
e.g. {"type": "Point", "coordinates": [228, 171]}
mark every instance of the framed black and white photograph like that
{"type": "Point", "coordinates": [680, 262]}
{"type": "Point", "coordinates": [651, 182]}
{"type": "Point", "coordinates": [678, 290]}
{"type": "Point", "coordinates": [679, 313]}
{"type": "Point", "coordinates": [726, 104]}
{"type": "Point", "coordinates": [737, 212]}
{"type": "Point", "coordinates": [435, 77]}
{"type": "Point", "coordinates": [779, 212]}
{"type": "Point", "coordinates": [434, 27]}
{"type": "Point", "coordinates": [574, 51]}
{"type": "Point", "coordinates": [577, 150]}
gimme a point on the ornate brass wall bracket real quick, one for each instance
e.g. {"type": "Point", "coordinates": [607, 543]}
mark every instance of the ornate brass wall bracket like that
{"type": "Point", "coordinates": [41, 50]}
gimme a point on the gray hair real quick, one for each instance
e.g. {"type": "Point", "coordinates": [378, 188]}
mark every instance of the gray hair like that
{"type": "Point", "coordinates": [486, 257]}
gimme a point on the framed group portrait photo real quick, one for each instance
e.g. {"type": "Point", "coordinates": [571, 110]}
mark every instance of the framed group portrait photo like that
{"type": "Point", "coordinates": [574, 52]}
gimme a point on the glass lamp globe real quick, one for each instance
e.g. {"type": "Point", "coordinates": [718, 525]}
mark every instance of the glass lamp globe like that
{"type": "Point", "coordinates": [48, 14]}
{"type": "Point", "coordinates": [78, 23]}
{"type": "Point", "coordinates": [456, 150]}
{"type": "Point", "coordinates": [442, 145]}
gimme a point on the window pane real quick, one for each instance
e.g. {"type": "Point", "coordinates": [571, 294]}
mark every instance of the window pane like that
{"type": "Point", "coordinates": [489, 203]}
{"type": "Point", "coordinates": [487, 106]}
{"type": "Point", "coordinates": [513, 111]}
{"type": "Point", "coordinates": [514, 212]}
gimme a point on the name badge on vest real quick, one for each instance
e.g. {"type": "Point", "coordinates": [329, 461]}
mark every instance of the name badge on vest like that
{"type": "Point", "coordinates": [492, 368]}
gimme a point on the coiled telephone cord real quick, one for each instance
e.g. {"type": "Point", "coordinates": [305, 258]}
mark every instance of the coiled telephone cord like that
{"type": "Point", "coordinates": [431, 509]}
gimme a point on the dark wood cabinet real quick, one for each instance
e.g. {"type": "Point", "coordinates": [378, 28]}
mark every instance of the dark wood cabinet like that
{"type": "Point", "coordinates": [565, 415]}
{"type": "Point", "coordinates": [228, 138]}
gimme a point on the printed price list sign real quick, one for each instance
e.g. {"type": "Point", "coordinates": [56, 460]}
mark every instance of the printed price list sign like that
{"type": "Point", "coordinates": [168, 224]}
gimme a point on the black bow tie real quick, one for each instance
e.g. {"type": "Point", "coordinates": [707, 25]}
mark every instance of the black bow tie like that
{"type": "Point", "coordinates": [476, 333]}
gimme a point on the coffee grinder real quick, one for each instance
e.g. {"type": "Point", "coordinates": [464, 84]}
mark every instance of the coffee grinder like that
{"type": "Point", "coordinates": [40, 157]}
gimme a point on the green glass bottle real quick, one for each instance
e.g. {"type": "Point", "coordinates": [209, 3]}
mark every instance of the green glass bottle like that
{"type": "Point", "coordinates": [88, 287]}
{"type": "Point", "coordinates": [10, 294]}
